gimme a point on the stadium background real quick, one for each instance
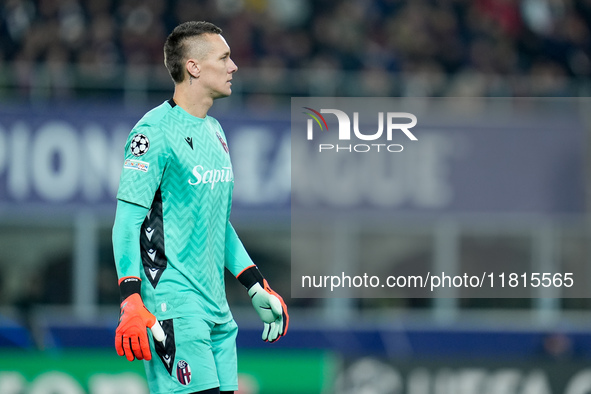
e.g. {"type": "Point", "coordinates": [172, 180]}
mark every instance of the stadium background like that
{"type": "Point", "coordinates": [76, 75]}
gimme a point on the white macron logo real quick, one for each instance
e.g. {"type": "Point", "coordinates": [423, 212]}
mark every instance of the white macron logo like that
{"type": "Point", "coordinates": [149, 233]}
{"type": "Point", "coordinates": [154, 272]}
{"type": "Point", "coordinates": [152, 254]}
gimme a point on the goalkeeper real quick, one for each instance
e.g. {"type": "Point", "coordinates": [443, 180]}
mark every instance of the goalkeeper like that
{"type": "Point", "coordinates": [172, 238]}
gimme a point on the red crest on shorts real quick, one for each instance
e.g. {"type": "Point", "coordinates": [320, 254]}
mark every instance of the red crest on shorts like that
{"type": "Point", "coordinates": [183, 372]}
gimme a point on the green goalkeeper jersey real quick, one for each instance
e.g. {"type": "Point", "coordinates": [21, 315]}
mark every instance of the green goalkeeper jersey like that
{"type": "Point", "coordinates": [178, 166]}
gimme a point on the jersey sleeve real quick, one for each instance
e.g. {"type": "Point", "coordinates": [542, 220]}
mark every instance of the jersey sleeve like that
{"type": "Point", "coordinates": [236, 257]}
{"type": "Point", "coordinates": [126, 235]}
{"type": "Point", "coordinates": [146, 155]}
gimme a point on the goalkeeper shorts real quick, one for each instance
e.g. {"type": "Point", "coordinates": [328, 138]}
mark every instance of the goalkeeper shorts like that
{"type": "Point", "coordinates": [196, 355]}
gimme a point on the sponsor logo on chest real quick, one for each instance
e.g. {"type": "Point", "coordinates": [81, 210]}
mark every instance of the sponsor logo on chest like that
{"type": "Point", "coordinates": [203, 176]}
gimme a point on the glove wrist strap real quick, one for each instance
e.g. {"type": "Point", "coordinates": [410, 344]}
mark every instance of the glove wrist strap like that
{"type": "Point", "coordinates": [128, 286]}
{"type": "Point", "coordinates": [250, 276]}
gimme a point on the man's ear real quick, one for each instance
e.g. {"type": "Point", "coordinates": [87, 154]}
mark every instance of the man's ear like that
{"type": "Point", "coordinates": [193, 68]}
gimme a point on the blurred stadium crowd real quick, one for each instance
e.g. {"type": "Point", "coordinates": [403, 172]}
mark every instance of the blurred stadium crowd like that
{"type": "Point", "coordinates": [354, 47]}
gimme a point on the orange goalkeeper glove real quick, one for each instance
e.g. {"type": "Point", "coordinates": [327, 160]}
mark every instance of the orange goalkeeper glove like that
{"type": "Point", "coordinates": [131, 337]}
{"type": "Point", "coordinates": [267, 303]}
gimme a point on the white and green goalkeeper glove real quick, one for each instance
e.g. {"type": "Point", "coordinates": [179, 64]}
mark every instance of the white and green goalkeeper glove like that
{"type": "Point", "coordinates": [267, 303]}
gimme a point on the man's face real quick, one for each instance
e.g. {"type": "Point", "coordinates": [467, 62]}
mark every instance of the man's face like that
{"type": "Point", "coordinates": [217, 67]}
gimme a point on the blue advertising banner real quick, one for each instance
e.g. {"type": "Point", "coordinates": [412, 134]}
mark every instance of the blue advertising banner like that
{"type": "Point", "coordinates": [72, 157]}
{"type": "Point", "coordinates": [528, 158]}
{"type": "Point", "coordinates": [447, 155]}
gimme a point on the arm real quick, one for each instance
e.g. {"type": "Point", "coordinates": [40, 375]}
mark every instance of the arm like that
{"type": "Point", "coordinates": [131, 338]}
{"type": "Point", "coordinates": [267, 303]}
{"type": "Point", "coordinates": [140, 178]}
{"type": "Point", "coordinates": [236, 257]}
{"type": "Point", "coordinates": [126, 234]}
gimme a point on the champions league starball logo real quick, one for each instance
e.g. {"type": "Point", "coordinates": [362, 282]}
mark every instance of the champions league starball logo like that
{"type": "Point", "coordinates": [139, 145]}
{"type": "Point", "coordinates": [344, 131]}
